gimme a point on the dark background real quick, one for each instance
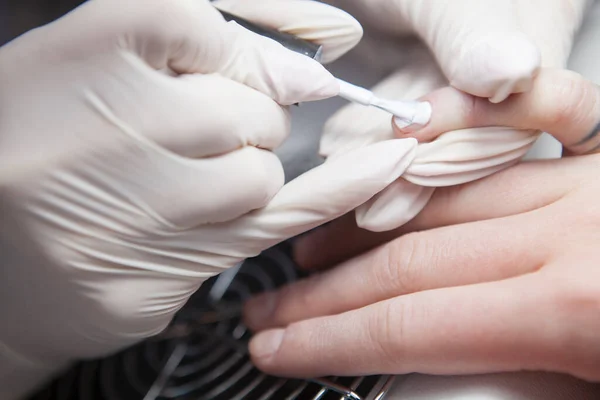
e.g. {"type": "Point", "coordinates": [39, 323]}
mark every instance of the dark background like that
{"type": "Point", "coordinates": [19, 16]}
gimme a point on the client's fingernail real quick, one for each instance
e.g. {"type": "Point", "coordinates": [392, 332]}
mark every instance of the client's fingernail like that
{"type": "Point", "coordinates": [265, 344]}
{"type": "Point", "coordinates": [405, 126]}
{"type": "Point", "coordinates": [259, 310]}
{"type": "Point", "coordinates": [303, 249]}
{"type": "Point", "coordinates": [421, 118]}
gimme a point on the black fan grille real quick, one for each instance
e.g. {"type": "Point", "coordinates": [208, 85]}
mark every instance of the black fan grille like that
{"type": "Point", "coordinates": [208, 362]}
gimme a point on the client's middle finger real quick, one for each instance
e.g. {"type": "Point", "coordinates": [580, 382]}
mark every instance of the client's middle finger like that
{"type": "Point", "coordinates": [519, 189]}
{"type": "Point", "coordinates": [500, 218]}
{"type": "Point", "coordinates": [451, 256]}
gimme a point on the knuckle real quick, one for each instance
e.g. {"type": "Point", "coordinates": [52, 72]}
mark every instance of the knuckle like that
{"type": "Point", "coordinates": [122, 302]}
{"type": "Point", "coordinates": [390, 276]}
{"type": "Point", "coordinates": [580, 296]}
{"type": "Point", "coordinates": [386, 330]}
{"type": "Point", "coordinates": [121, 310]}
{"type": "Point", "coordinates": [576, 303]}
{"type": "Point", "coordinates": [567, 99]}
{"type": "Point", "coordinates": [471, 109]}
{"type": "Point", "coordinates": [386, 277]}
{"type": "Point", "coordinates": [404, 259]}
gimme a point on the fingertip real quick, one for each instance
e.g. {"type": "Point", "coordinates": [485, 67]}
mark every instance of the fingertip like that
{"type": "Point", "coordinates": [265, 65]}
{"type": "Point", "coordinates": [353, 34]}
{"type": "Point", "coordinates": [259, 310]}
{"type": "Point", "coordinates": [264, 347]}
{"type": "Point", "coordinates": [302, 79]}
{"type": "Point", "coordinates": [404, 130]}
{"type": "Point", "coordinates": [335, 29]}
{"type": "Point", "coordinates": [497, 66]}
{"type": "Point", "coordinates": [421, 117]}
{"type": "Point", "coordinates": [273, 177]}
{"type": "Point", "coordinates": [398, 204]}
{"type": "Point", "coordinates": [303, 251]}
{"type": "Point", "coordinates": [313, 251]}
{"type": "Point", "coordinates": [333, 189]}
{"type": "Point", "coordinates": [334, 243]}
{"type": "Point", "coordinates": [330, 88]}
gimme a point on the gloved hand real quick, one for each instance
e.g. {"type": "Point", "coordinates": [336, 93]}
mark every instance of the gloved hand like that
{"type": "Point", "coordinates": [486, 48]}
{"type": "Point", "coordinates": [134, 147]}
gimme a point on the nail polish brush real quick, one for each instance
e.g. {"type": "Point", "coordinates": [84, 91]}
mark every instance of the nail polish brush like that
{"type": "Point", "coordinates": [411, 112]}
{"type": "Point", "coordinates": [408, 111]}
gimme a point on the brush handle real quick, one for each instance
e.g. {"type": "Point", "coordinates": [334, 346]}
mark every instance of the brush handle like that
{"type": "Point", "coordinates": [287, 40]}
{"type": "Point", "coordinates": [355, 94]}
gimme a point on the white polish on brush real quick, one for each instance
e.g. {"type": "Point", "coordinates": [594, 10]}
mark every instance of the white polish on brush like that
{"type": "Point", "coordinates": [409, 111]}
{"type": "Point", "coordinates": [406, 112]}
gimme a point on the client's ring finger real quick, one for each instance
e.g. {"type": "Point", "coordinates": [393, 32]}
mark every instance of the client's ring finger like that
{"type": "Point", "coordinates": [590, 143]}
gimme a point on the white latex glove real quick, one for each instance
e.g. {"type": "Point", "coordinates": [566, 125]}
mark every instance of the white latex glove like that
{"type": "Point", "coordinates": [487, 48]}
{"type": "Point", "coordinates": [335, 30]}
{"type": "Point", "coordinates": [134, 145]}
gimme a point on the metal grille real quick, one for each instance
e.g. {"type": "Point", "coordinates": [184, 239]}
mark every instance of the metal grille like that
{"type": "Point", "coordinates": [210, 361]}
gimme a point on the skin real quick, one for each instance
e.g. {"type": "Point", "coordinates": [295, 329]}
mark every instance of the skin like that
{"type": "Point", "coordinates": [561, 102]}
{"type": "Point", "coordinates": [496, 275]}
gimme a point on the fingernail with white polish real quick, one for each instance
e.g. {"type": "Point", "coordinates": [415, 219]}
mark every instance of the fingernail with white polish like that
{"type": "Point", "coordinates": [421, 118]}
{"type": "Point", "coordinates": [406, 126]}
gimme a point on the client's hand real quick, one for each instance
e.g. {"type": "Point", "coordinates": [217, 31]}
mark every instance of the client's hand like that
{"type": "Point", "coordinates": [496, 275]}
{"type": "Point", "coordinates": [487, 48]}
